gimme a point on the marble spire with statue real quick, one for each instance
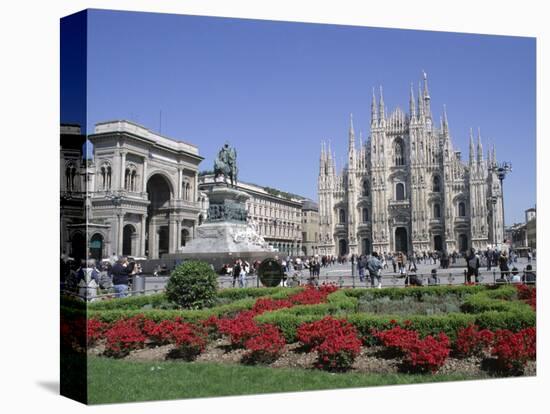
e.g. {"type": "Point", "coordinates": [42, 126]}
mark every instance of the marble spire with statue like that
{"type": "Point", "coordinates": [226, 234]}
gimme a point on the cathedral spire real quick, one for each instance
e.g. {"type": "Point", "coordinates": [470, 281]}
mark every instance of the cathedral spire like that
{"type": "Point", "coordinates": [420, 104]}
{"type": "Point", "coordinates": [412, 108]}
{"type": "Point", "coordinates": [472, 148]}
{"type": "Point", "coordinates": [351, 131]}
{"type": "Point", "coordinates": [382, 112]}
{"type": "Point", "coordinates": [373, 110]}
{"type": "Point", "coordinates": [322, 161]}
{"type": "Point", "coordinates": [445, 125]}
{"type": "Point", "coordinates": [351, 149]}
{"type": "Point", "coordinates": [479, 146]}
{"type": "Point", "coordinates": [427, 109]}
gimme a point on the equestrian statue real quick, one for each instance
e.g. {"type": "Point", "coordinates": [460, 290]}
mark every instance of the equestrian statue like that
{"type": "Point", "coordinates": [225, 164]}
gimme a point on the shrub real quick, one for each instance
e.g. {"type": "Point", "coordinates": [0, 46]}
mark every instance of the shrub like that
{"type": "Point", "coordinates": [264, 347]}
{"type": "Point", "coordinates": [159, 333]}
{"type": "Point", "coordinates": [396, 339]}
{"type": "Point", "coordinates": [312, 295]}
{"type": "Point", "coordinates": [95, 329]}
{"type": "Point", "coordinates": [267, 304]}
{"type": "Point", "coordinates": [190, 340]}
{"type": "Point", "coordinates": [528, 294]}
{"type": "Point", "coordinates": [513, 350]}
{"type": "Point", "coordinates": [313, 334]}
{"type": "Point", "coordinates": [335, 341]}
{"type": "Point", "coordinates": [192, 285]}
{"type": "Point", "coordinates": [211, 326]}
{"type": "Point", "coordinates": [338, 352]}
{"type": "Point", "coordinates": [124, 336]}
{"type": "Point", "coordinates": [473, 341]}
{"type": "Point", "coordinates": [428, 354]}
{"type": "Point", "coordinates": [239, 329]}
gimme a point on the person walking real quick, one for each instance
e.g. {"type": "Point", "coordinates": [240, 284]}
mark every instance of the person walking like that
{"type": "Point", "coordinates": [401, 262]}
{"type": "Point", "coordinates": [374, 267]}
{"type": "Point", "coordinates": [503, 265]}
{"type": "Point", "coordinates": [236, 272]}
{"type": "Point", "coordinates": [473, 264]}
{"type": "Point", "coordinates": [120, 273]}
{"type": "Point", "coordinates": [361, 266]}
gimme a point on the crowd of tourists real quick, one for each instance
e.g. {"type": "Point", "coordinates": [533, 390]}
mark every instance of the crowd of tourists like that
{"type": "Point", "coordinates": [112, 273]}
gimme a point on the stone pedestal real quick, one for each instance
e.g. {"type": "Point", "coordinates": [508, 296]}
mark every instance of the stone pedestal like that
{"type": "Point", "coordinates": [225, 236]}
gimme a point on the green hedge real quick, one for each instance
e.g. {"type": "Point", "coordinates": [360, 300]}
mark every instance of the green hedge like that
{"type": "Point", "coordinates": [190, 315]}
{"type": "Point", "coordinates": [495, 300]}
{"type": "Point", "coordinates": [158, 299]}
{"type": "Point", "coordinates": [485, 306]}
{"type": "Point", "coordinates": [252, 292]}
{"type": "Point", "coordinates": [132, 302]}
{"type": "Point", "coordinates": [491, 308]}
{"type": "Point", "coordinates": [418, 292]}
{"type": "Point", "coordinates": [108, 311]}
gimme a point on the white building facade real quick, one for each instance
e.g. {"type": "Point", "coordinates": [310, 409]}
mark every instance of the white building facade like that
{"type": "Point", "coordinates": [128, 191]}
{"type": "Point", "coordinates": [406, 188]}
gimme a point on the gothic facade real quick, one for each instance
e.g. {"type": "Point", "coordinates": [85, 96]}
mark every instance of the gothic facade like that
{"type": "Point", "coordinates": [407, 189]}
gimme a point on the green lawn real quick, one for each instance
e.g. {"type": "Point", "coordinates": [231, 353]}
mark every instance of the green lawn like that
{"type": "Point", "coordinates": [113, 381]}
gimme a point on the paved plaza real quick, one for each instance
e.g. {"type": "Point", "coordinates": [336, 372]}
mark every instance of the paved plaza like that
{"type": "Point", "coordinates": [342, 275]}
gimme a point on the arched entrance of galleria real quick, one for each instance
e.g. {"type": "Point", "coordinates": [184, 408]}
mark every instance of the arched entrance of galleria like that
{"type": "Point", "coordinates": [159, 193]}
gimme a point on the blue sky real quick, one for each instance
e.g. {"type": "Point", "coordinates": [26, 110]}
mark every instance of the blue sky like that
{"type": "Point", "coordinates": [275, 89]}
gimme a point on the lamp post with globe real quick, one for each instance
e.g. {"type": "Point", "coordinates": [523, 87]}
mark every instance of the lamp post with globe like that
{"type": "Point", "coordinates": [501, 170]}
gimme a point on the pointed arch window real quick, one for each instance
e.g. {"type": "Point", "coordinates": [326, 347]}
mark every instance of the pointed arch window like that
{"type": "Point", "coordinates": [437, 211]}
{"type": "Point", "coordinates": [399, 152]}
{"type": "Point", "coordinates": [461, 209]}
{"type": "Point", "coordinates": [342, 216]}
{"type": "Point", "coordinates": [365, 214]}
{"type": "Point", "coordinates": [400, 191]}
{"type": "Point", "coordinates": [366, 188]}
{"type": "Point", "coordinates": [436, 185]}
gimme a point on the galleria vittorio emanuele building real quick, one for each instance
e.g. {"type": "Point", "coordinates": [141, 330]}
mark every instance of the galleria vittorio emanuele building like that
{"type": "Point", "coordinates": [407, 189]}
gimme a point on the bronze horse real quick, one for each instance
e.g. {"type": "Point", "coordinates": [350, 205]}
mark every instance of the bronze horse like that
{"type": "Point", "coordinates": [225, 165]}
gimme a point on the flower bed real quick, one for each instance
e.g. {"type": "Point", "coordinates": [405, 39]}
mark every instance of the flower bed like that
{"type": "Point", "coordinates": [496, 324]}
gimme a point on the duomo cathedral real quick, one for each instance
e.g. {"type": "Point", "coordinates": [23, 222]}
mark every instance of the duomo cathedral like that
{"type": "Point", "coordinates": [407, 189]}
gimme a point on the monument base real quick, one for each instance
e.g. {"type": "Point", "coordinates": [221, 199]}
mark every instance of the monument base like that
{"type": "Point", "coordinates": [222, 241]}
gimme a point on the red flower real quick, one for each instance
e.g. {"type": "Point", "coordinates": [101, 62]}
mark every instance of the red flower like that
{"type": "Point", "coordinates": [513, 350]}
{"type": "Point", "coordinates": [265, 346]}
{"type": "Point", "coordinates": [95, 329]}
{"type": "Point", "coordinates": [527, 294]}
{"type": "Point", "coordinates": [428, 354]}
{"type": "Point", "coordinates": [124, 336]}
{"type": "Point", "coordinates": [239, 329]}
{"type": "Point", "coordinates": [472, 341]}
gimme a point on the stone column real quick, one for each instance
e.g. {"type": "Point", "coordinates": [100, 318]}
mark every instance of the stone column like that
{"type": "Point", "coordinates": [178, 235]}
{"type": "Point", "coordinates": [144, 176]}
{"type": "Point", "coordinates": [120, 234]}
{"type": "Point", "coordinates": [171, 235]}
{"type": "Point", "coordinates": [122, 168]}
{"type": "Point", "coordinates": [178, 191]}
{"type": "Point", "coordinates": [153, 244]}
{"type": "Point", "coordinates": [142, 239]}
{"type": "Point", "coordinates": [196, 189]}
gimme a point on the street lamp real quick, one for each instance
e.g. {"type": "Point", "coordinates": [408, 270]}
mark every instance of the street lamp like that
{"type": "Point", "coordinates": [501, 170]}
{"type": "Point", "coordinates": [491, 205]}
